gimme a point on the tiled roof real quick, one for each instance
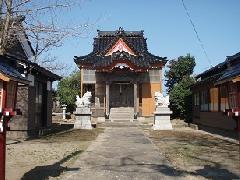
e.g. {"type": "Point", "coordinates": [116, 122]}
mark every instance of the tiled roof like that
{"type": "Point", "coordinates": [106, 40]}
{"type": "Point", "coordinates": [230, 73]}
{"type": "Point", "coordinates": [11, 72]}
{"type": "Point", "coordinates": [16, 52]}
{"type": "Point", "coordinates": [14, 48]}
{"type": "Point", "coordinates": [219, 67]}
{"type": "Point", "coordinates": [45, 72]}
{"type": "Point", "coordinates": [222, 72]}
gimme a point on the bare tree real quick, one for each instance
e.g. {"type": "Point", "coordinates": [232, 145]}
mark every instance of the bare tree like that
{"type": "Point", "coordinates": [38, 21]}
{"type": "Point", "coordinates": [5, 24]}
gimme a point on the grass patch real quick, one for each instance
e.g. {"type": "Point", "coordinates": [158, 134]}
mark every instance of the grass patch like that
{"type": "Point", "coordinates": [189, 148]}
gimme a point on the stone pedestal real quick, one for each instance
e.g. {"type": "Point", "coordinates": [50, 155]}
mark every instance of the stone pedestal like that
{"type": "Point", "coordinates": [162, 119]}
{"type": "Point", "coordinates": [100, 119]}
{"type": "Point", "coordinates": [83, 118]}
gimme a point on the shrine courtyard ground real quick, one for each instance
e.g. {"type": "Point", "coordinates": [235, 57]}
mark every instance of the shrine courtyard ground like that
{"type": "Point", "coordinates": [124, 151]}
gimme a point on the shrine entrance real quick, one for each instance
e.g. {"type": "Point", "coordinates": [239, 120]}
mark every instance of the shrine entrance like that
{"type": "Point", "coordinates": [123, 72]}
{"type": "Point", "coordinates": [121, 94]}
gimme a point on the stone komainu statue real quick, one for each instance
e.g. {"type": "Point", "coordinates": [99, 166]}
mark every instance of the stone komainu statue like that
{"type": "Point", "coordinates": [84, 101]}
{"type": "Point", "coordinates": [160, 100]}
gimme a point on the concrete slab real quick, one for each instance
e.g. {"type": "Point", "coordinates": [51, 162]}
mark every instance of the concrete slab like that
{"type": "Point", "coordinates": [122, 152]}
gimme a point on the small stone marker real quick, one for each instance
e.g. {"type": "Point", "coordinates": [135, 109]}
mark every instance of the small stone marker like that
{"type": "Point", "coordinates": [162, 113]}
{"type": "Point", "coordinates": [64, 108]}
{"type": "Point", "coordinates": [83, 112]}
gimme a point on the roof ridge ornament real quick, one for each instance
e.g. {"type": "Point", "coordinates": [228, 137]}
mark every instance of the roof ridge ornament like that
{"type": "Point", "coordinates": [120, 30]}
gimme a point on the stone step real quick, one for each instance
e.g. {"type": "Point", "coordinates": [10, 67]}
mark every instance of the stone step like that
{"type": "Point", "coordinates": [122, 120]}
{"type": "Point", "coordinates": [119, 125]}
{"type": "Point", "coordinates": [122, 113]}
{"type": "Point", "coordinates": [120, 117]}
{"type": "Point", "coordinates": [122, 108]}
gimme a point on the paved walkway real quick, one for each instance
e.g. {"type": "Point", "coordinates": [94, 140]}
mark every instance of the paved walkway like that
{"type": "Point", "coordinates": [121, 152]}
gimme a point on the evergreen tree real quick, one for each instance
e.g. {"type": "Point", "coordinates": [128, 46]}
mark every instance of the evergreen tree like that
{"type": "Point", "coordinates": [67, 90]}
{"type": "Point", "coordinates": [178, 83]}
{"type": "Point", "coordinates": [178, 69]}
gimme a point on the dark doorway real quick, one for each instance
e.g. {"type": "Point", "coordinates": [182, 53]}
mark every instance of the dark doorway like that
{"type": "Point", "coordinates": [121, 94]}
{"type": "Point", "coordinates": [44, 106]}
{"type": "Point", "coordinates": [41, 104]}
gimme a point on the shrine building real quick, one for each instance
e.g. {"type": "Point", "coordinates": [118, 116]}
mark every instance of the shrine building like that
{"type": "Point", "coordinates": [121, 72]}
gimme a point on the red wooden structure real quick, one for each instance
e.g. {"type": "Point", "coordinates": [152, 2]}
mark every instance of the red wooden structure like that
{"type": "Point", "coordinates": [217, 96]}
{"type": "Point", "coordinates": [7, 102]}
{"type": "Point", "coordinates": [9, 79]}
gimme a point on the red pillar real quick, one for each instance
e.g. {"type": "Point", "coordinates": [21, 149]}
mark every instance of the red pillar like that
{"type": "Point", "coordinates": [3, 152]}
{"type": "Point", "coordinates": [3, 136]}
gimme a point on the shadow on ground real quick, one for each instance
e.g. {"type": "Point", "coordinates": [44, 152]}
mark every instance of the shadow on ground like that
{"type": "Point", "coordinates": [54, 170]}
{"type": "Point", "coordinates": [214, 172]}
{"type": "Point", "coordinates": [54, 129]}
{"type": "Point", "coordinates": [224, 133]}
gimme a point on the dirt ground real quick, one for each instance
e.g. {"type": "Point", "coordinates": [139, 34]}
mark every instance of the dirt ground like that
{"type": "Point", "coordinates": [197, 153]}
{"type": "Point", "coordinates": [47, 156]}
{"type": "Point", "coordinates": [189, 151]}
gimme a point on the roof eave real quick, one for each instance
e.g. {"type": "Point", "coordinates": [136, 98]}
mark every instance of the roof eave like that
{"type": "Point", "coordinates": [52, 76]}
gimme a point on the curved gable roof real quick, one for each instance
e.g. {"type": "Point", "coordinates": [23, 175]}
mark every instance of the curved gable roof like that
{"type": "Point", "coordinates": [106, 40]}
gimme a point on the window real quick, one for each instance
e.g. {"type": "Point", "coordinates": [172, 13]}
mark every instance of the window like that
{"type": "Point", "coordinates": [196, 99]}
{"type": "Point", "coordinates": [232, 96]}
{"type": "Point", "coordinates": [205, 100]}
{"type": "Point", "coordinates": [11, 90]}
{"type": "Point", "coordinates": [88, 76]}
{"type": "Point", "coordinates": [223, 98]}
{"type": "Point", "coordinates": [38, 102]}
{"type": "Point", "coordinates": [155, 75]}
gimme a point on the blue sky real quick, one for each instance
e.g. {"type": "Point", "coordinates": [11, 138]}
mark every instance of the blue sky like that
{"type": "Point", "coordinates": [165, 24]}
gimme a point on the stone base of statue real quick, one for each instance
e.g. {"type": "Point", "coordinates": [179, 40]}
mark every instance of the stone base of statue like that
{"type": "Point", "coordinates": [162, 119]}
{"type": "Point", "coordinates": [83, 118]}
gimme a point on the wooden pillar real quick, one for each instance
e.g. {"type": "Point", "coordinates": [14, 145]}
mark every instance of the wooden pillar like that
{"type": "Point", "coordinates": [238, 109]}
{"type": "Point", "coordinates": [138, 98]}
{"type": "Point", "coordinates": [81, 81]}
{"type": "Point", "coordinates": [135, 99]}
{"type": "Point", "coordinates": [107, 99]}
